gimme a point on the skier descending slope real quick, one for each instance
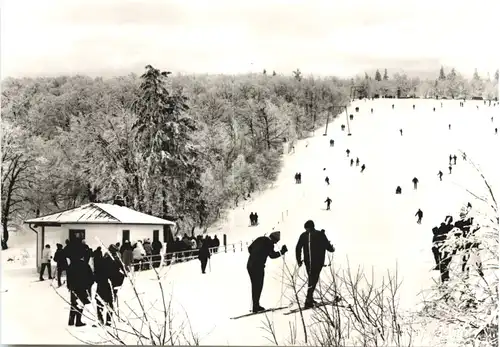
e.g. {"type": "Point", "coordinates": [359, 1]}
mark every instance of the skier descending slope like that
{"type": "Point", "coordinates": [328, 202]}
{"type": "Point", "coordinates": [259, 250]}
{"type": "Point", "coordinates": [314, 243]}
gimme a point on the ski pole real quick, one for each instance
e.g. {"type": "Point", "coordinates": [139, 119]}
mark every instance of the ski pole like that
{"type": "Point", "coordinates": [282, 275]}
{"type": "Point", "coordinates": [209, 265]}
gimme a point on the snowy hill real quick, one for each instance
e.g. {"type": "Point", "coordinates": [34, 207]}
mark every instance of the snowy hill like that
{"type": "Point", "coordinates": [368, 224]}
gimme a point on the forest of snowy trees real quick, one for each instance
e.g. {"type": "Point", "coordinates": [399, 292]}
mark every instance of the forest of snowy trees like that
{"type": "Point", "coordinates": [176, 146]}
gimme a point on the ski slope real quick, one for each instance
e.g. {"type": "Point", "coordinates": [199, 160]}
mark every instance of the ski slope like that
{"type": "Point", "coordinates": [368, 224]}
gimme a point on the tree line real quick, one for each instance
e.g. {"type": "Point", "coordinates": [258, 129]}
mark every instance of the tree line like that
{"type": "Point", "coordinates": [446, 85]}
{"type": "Point", "coordinates": [179, 147]}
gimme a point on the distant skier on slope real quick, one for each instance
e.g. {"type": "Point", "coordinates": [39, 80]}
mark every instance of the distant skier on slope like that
{"type": "Point", "coordinates": [372, 110]}
{"type": "Point", "coordinates": [449, 126]}
{"type": "Point", "coordinates": [413, 106]}
{"type": "Point", "coordinates": [259, 250]}
{"type": "Point", "coordinates": [449, 168]}
{"type": "Point", "coordinates": [348, 151]}
{"type": "Point", "coordinates": [328, 202]}
{"type": "Point", "coordinates": [398, 190]}
{"type": "Point", "coordinates": [332, 143]}
{"type": "Point", "coordinates": [440, 174]}
{"type": "Point", "coordinates": [314, 244]}
{"type": "Point", "coordinates": [351, 117]}
{"type": "Point", "coordinates": [496, 131]}
{"type": "Point", "coordinates": [393, 106]}
{"type": "Point", "coordinates": [415, 182]}
{"type": "Point", "coordinates": [342, 127]}
{"type": "Point", "coordinates": [433, 109]}
{"type": "Point", "coordinates": [454, 159]}
{"type": "Point", "coordinates": [357, 161]}
{"type": "Point", "coordinates": [352, 162]}
{"type": "Point", "coordinates": [363, 167]}
{"type": "Point", "coordinates": [401, 132]}
{"type": "Point", "coordinates": [464, 156]}
{"type": "Point", "coordinates": [451, 159]}
{"type": "Point", "coordinates": [419, 215]}
{"type": "Point", "coordinates": [327, 180]}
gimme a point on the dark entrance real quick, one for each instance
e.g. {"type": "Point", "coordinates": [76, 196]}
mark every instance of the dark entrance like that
{"type": "Point", "coordinates": [76, 234]}
{"type": "Point", "coordinates": [125, 236]}
{"type": "Point", "coordinates": [156, 235]}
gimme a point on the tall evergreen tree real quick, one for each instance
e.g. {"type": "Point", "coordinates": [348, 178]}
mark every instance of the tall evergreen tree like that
{"type": "Point", "coordinates": [386, 75]}
{"type": "Point", "coordinates": [476, 75]}
{"type": "Point", "coordinates": [378, 76]}
{"type": "Point", "coordinates": [164, 131]}
{"type": "Point", "coordinates": [442, 75]}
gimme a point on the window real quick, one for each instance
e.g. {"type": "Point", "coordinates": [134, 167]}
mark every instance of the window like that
{"type": "Point", "coordinates": [125, 236]}
{"type": "Point", "coordinates": [156, 235]}
{"type": "Point", "coordinates": [76, 234]}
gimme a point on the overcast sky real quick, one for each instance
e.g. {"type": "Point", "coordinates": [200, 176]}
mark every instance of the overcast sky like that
{"type": "Point", "coordinates": [341, 37]}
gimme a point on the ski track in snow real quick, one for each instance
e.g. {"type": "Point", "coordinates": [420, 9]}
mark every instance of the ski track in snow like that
{"type": "Point", "coordinates": [367, 223]}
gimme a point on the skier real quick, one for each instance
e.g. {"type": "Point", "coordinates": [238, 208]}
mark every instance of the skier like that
{"type": "Point", "coordinates": [372, 110]}
{"type": "Point", "coordinates": [401, 132]}
{"type": "Point", "coordinates": [327, 180]}
{"type": "Point", "coordinates": [398, 190]}
{"type": "Point", "coordinates": [342, 127]}
{"type": "Point", "coordinates": [496, 131]}
{"type": "Point", "coordinates": [415, 182]}
{"type": "Point", "coordinates": [455, 159]}
{"type": "Point", "coordinates": [492, 119]}
{"type": "Point", "coordinates": [314, 243]}
{"type": "Point", "coordinates": [419, 214]}
{"type": "Point", "coordinates": [363, 167]}
{"type": "Point", "coordinates": [449, 168]}
{"type": "Point", "coordinates": [433, 109]}
{"type": "Point", "coordinates": [352, 162]}
{"type": "Point", "coordinates": [252, 218]}
{"type": "Point", "coordinates": [357, 161]}
{"type": "Point", "coordinates": [440, 174]}
{"type": "Point", "coordinates": [413, 106]}
{"type": "Point", "coordinates": [255, 218]}
{"type": "Point", "coordinates": [300, 177]}
{"type": "Point", "coordinates": [259, 250]}
{"type": "Point", "coordinates": [332, 143]}
{"type": "Point", "coordinates": [393, 106]}
{"type": "Point", "coordinates": [348, 151]}
{"type": "Point", "coordinates": [464, 156]}
{"type": "Point", "coordinates": [328, 202]}
{"type": "Point", "coordinates": [449, 126]}
{"type": "Point", "coordinates": [451, 158]}
{"type": "Point", "coordinates": [351, 117]}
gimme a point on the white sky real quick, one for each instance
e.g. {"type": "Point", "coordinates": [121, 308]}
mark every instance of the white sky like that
{"type": "Point", "coordinates": [342, 37]}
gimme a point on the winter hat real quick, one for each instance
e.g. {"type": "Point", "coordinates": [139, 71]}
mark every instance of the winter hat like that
{"type": "Point", "coordinates": [275, 236]}
{"type": "Point", "coordinates": [309, 225]}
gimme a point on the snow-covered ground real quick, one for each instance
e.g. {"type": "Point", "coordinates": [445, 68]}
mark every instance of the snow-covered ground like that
{"type": "Point", "coordinates": [367, 223]}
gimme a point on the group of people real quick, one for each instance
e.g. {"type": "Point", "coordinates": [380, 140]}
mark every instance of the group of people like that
{"type": "Point", "coordinates": [191, 247]}
{"type": "Point", "coordinates": [107, 272]}
{"type": "Point", "coordinates": [461, 229]}
{"type": "Point", "coordinates": [254, 218]}
{"type": "Point", "coordinates": [310, 250]}
{"type": "Point", "coordinates": [140, 255]}
{"type": "Point", "coordinates": [298, 178]}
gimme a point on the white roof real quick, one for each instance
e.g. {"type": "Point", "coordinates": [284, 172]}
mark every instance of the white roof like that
{"type": "Point", "coordinates": [97, 213]}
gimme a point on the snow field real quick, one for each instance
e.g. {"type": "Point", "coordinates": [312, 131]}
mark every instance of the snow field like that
{"type": "Point", "coordinates": [368, 223]}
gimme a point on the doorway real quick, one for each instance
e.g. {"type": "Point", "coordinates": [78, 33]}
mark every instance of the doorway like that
{"type": "Point", "coordinates": [76, 234]}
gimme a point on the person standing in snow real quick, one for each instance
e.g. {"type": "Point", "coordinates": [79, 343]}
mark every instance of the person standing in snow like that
{"type": "Point", "coordinates": [413, 106]}
{"type": "Point", "coordinates": [398, 190]}
{"type": "Point", "coordinates": [348, 151]}
{"type": "Point", "coordinates": [449, 126]}
{"type": "Point", "coordinates": [61, 261]}
{"type": "Point", "coordinates": [327, 180]}
{"type": "Point", "coordinates": [138, 254]}
{"type": "Point", "coordinates": [415, 182]}
{"type": "Point", "coordinates": [496, 131]}
{"type": "Point", "coordinates": [440, 174]}
{"type": "Point", "coordinates": [352, 161]}
{"type": "Point", "coordinates": [252, 218]}
{"type": "Point", "coordinates": [156, 247]}
{"type": "Point", "coordinates": [393, 106]}
{"type": "Point", "coordinates": [342, 127]}
{"type": "Point", "coordinates": [450, 159]}
{"type": "Point", "coordinates": [46, 262]}
{"type": "Point", "coordinates": [204, 254]}
{"type": "Point", "coordinates": [79, 280]}
{"type": "Point", "coordinates": [332, 143]}
{"type": "Point", "coordinates": [328, 202]}
{"type": "Point", "coordinates": [313, 244]}
{"type": "Point", "coordinates": [363, 167]}
{"type": "Point", "coordinates": [357, 161]}
{"type": "Point", "coordinates": [449, 168]}
{"type": "Point", "coordinates": [454, 159]}
{"type": "Point", "coordinates": [419, 215]}
{"type": "Point", "coordinates": [260, 249]}
{"type": "Point", "coordinates": [401, 132]}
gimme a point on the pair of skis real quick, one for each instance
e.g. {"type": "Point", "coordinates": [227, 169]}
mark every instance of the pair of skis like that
{"type": "Point", "coordinates": [295, 310]}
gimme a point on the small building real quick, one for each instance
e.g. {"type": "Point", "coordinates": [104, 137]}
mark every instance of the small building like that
{"type": "Point", "coordinates": [99, 224]}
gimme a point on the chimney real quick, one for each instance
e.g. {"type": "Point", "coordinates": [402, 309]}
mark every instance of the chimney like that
{"type": "Point", "coordinates": [119, 200]}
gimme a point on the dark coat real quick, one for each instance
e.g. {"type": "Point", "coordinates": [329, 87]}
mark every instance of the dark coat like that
{"type": "Point", "coordinates": [204, 252]}
{"type": "Point", "coordinates": [259, 250]}
{"type": "Point", "coordinates": [60, 259]}
{"type": "Point", "coordinates": [79, 279]}
{"type": "Point", "coordinates": [314, 243]}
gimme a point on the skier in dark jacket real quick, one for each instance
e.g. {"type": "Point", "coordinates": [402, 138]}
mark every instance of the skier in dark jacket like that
{"type": "Point", "coordinates": [79, 281]}
{"type": "Point", "coordinates": [454, 159]}
{"type": "Point", "coordinates": [352, 162]}
{"type": "Point", "coordinates": [156, 247]}
{"type": "Point", "coordinates": [314, 244]}
{"type": "Point", "coordinates": [327, 180]}
{"type": "Point", "coordinates": [348, 151]}
{"type": "Point", "coordinates": [415, 182]}
{"type": "Point", "coordinates": [398, 190]}
{"type": "Point", "coordinates": [259, 250]}
{"type": "Point", "coordinates": [61, 261]}
{"type": "Point", "coordinates": [419, 215]}
{"type": "Point", "coordinates": [328, 202]}
{"type": "Point", "coordinates": [204, 254]}
{"type": "Point", "coordinates": [401, 132]}
{"type": "Point", "coordinates": [216, 244]}
{"type": "Point", "coordinates": [357, 161]}
{"type": "Point", "coordinates": [363, 167]}
{"type": "Point", "coordinates": [440, 174]}
{"type": "Point", "coordinates": [332, 143]}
